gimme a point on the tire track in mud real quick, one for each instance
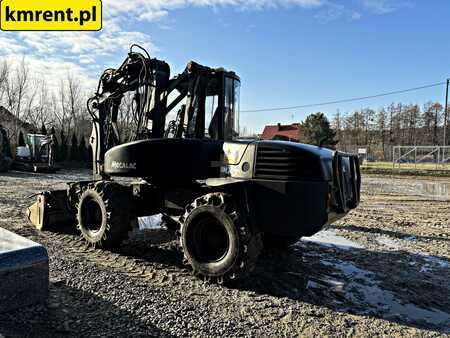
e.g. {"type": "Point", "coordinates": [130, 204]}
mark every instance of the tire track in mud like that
{"type": "Point", "coordinates": [287, 280]}
{"type": "Point", "coordinates": [120, 261]}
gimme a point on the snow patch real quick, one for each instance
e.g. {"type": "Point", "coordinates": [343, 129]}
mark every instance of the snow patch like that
{"type": "Point", "coordinates": [150, 222]}
{"type": "Point", "coordinates": [329, 238]}
{"type": "Point", "coordinates": [389, 242]}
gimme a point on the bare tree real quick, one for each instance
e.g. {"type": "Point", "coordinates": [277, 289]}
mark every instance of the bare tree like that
{"type": "Point", "coordinates": [16, 89]}
{"type": "Point", "coordinates": [29, 102]}
{"type": "Point", "coordinates": [413, 114]}
{"type": "Point", "coordinates": [74, 100]}
{"type": "Point", "coordinates": [40, 113]}
{"type": "Point", "coordinates": [4, 75]}
{"type": "Point", "coordinates": [381, 127]}
{"type": "Point", "coordinates": [337, 125]}
{"type": "Point", "coordinates": [432, 117]}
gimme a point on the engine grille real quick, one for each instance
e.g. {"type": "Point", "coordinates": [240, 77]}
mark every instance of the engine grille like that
{"type": "Point", "coordinates": [283, 164]}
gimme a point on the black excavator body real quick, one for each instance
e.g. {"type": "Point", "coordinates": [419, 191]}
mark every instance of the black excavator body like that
{"type": "Point", "coordinates": [224, 198]}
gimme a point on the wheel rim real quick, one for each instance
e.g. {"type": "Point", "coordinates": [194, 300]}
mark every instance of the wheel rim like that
{"type": "Point", "coordinates": [91, 215]}
{"type": "Point", "coordinates": [207, 239]}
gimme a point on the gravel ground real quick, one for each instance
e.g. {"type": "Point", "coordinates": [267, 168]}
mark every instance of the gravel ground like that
{"type": "Point", "coordinates": [381, 271]}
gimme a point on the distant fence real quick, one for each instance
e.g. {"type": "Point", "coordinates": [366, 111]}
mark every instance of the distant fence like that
{"type": "Point", "coordinates": [400, 154]}
{"type": "Point", "coordinates": [373, 152]}
{"type": "Point", "coordinates": [420, 155]}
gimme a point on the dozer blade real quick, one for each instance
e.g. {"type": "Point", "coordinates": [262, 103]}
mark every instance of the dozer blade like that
{"type": "Point", "coordinates": [51, 210]}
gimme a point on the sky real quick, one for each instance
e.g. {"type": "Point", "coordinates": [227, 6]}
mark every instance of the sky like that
{"type": "Point", "coordinates": [287, 52]}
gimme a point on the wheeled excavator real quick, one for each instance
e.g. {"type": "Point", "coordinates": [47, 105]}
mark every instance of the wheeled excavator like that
{"type": "Point", "coordinates": [225, 199]}
{"type": "Point", "coordinates": [37, 155]}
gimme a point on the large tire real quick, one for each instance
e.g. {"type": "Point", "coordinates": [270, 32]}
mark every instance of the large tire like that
{"type": "Point", "coordinates": [279, 242]}
{"type": "Point", "coordinates": [103, 214]}
{"type": "Point", "coordinates": [216, 240]}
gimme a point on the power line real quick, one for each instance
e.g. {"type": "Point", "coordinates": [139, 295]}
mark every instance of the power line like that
{"type": "Point", "coordinates": [326, 103]}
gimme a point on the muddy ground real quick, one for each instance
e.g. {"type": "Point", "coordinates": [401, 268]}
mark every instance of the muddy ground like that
{"type": "Point", "coordinates": [382, 270]}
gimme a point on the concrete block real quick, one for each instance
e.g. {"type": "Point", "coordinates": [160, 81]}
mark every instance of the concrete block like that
{"type": "Point", "coordinates": [23, 272]}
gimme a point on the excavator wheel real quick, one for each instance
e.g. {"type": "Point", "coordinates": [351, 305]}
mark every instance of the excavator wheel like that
{"type": "Point", "coordinates": [103, 214]}
{"type": "Point", "coordinates": [216, 241]}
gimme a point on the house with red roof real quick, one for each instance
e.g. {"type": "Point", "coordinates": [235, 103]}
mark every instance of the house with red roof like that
{"type": "Point", "coordinates": [283, 132]}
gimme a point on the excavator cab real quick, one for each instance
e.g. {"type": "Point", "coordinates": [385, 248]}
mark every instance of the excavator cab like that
{"type": "Point", "coordinates": [201, 103]}
{"type": "Point", "coordinates": [230, 110]}
{"type": "Point", "coordinates": [208, 117]}
{"type": "Point", "coordinates": [214, 114]}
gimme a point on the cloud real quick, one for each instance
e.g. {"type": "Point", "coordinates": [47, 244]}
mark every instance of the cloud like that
{"type": "Point", "coordinates": [84, 54]}
{"type": "Point", "coordinates": [156, 10]}
{"type": "Point", "coordinates": [152, 10]}
{"type": "Point", "coordinates": [332, 12]}
{"type": "Point", "coordinates": [152, 15]}
{"type": "Point", "coordinates": [356, 16]}
{"type": "Point", "coordinates": [52, 55]}
{"type": "Point", "coordinates": [105, 43]}
{"type": "Point", "coordinates": [53, 70]}
{"type": "Point", "coordinates": [381, 7]}
{"type": "Point", "coordinates": [9, 43]}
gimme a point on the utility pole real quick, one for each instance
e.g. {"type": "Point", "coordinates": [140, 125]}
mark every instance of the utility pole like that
{"type": "Point", "coordinates": [446, 113]}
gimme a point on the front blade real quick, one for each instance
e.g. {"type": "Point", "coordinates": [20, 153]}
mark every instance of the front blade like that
{"type": "Point", "coordinates": [35, 213]}
{"type": "Point", "coordinates": [51, 210]}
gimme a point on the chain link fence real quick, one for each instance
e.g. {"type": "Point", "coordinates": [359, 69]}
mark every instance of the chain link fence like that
{"type": "Point", "coordinates": [370, 153]}
{"type": "Point", "coordinates": [408, 157]}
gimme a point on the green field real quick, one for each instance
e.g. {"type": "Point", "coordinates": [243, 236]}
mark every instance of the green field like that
{"type": "Point", "coordinates": [409, 169]}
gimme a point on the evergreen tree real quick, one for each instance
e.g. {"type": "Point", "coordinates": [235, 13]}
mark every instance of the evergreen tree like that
{"type": "Point", "coordinates": [74, 153]}
{"type": "Point", "coordinates": [82, 151]}
{"type": "Point", "coordinates": [63, 150]}
{"type": "Point", "coordinates": [55, 144]}
{"type": "Point", "coordinates": [43, 129]}
{"type": "Point", "coordinates": [316, 129]}
{"type": "Point", "coordinates": [5, 146]}
{"type": "Point", "coordinates": [89, 155]}
{"type": "Point", "coordinates": [21, 142]}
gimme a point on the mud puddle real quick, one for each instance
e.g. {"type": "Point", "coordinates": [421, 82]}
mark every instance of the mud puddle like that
{"type": "Point", "coordinates": [432, 188]}
{"type": "Point", "coordinates": [362, 288]}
